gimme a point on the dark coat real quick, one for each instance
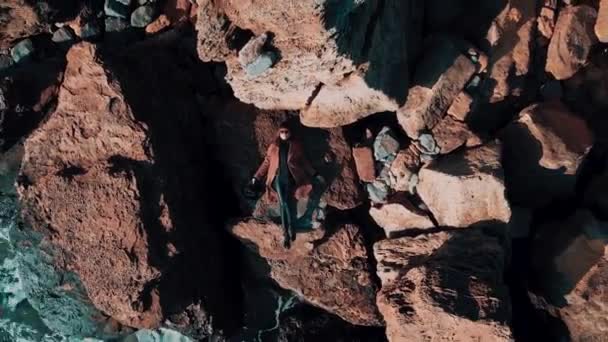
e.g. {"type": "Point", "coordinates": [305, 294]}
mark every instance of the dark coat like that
{"type": "Point", "coordinates": [299, 168]}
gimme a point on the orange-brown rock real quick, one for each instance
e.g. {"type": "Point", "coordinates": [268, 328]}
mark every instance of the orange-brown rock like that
{"type": "Point", "coordinates": [465, 188]}
{"type": "Point", "coordinates": [398, 215]}
{"type": "Point", "coordinates": [543, 151]}
{"type": "Point", "coordinates": [332, 56]}
{"type": "Point", "coordinates": [17, 20]}
{"type": "Point", "coordinates": [572, 41]}
{"type": "Point", "coordinates": [364, 161]}
{"type": "Point", "coordinates": [328, 270]}
{"type": "Point", "coordinates": [100, 188]}
{"type": "Point", "coordinates": [511, 39]}
{"type": "Point", "coordinates": [439, 78]}
{"type": "Point", "coordinates": [159, 24]}
{"type": "Point", "coordinates": [450, 134]}
{"type": "Point", "coordinates": [444, 286]}
{"type": "Point", "coordinates": [461, 106]}
{"type": "Point", "coordinates": [601, 25]}
{"type": "Point", "coordinates": [570, 268]}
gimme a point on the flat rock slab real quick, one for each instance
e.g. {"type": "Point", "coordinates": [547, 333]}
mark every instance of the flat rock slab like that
{"type": "Point", "coordinates": [328, 270]}
{"type": "Point", "coordinates": [465, 188]}
{"type": "Point", "coordinates": [398, 216]}
{"type": "Point", "coordinates": [543, 150]}
{"type": "Point", "coordinates": [571, 42]}
{"type": "Point", "coordinates": [445, 285]}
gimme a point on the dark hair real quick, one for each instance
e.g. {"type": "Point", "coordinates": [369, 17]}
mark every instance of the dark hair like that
{"type": "Point", "coordinates": [285, 124]}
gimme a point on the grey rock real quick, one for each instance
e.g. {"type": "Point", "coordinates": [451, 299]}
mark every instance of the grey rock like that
{"type": "Point", "coordinates": [22, 50]}
{"type": "Point", "coordinates": [474, 83]}
{"type": "Point", "coordinates": [113, 8]}
{"type": "Point", "coordinates": [262, 63]}
{"type": "Point", "coordinates": [386, 146]}
{"type": "Point", "coordinates": [90, 31]}
{"type": "Point", "coordinates": [142, 16]}
{"type": "Point", "coordinates": [114, 24]}
{"type": "Point", "coordinates": [378, 191]}
{"type": "Point", "coordinates": [63, 35]}
{"type": "Point", "coordinates": [428, 144]}
{"type": "Point", "coordinates": [124, 2]}
{"type": "Point", "coordinates": [5, 62]}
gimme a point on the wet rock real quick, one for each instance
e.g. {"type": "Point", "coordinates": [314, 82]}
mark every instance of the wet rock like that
{"type": "Point", "coordinates": [569, 268]}
{"type": "Point", "coordinates": [17, 20]}
{"type": "Point", "coordinates": [142, 16]}
{"type": "Point", "coordinates": [63, 35]}
{"type": "Point", "coordinates": [450, 134]}
{"type": "Point", "coordinates": [572, 41]}
{"type": "Point", "coordinates": [326, 68]}
{"type": "Point", "coordinates": [465, 188]}
{"type": "Point", "coordinates": [364, 161]}
{"type": "Point", "coordinates": [601, 25]}
{"type": "Point", "coordinates": [399, 215]}
{"type": "Point", "coordinates": [22, 51]}
{"type": "Point", "coordinates": [386, 146]}
{"type": "Point", "coordinates": [328, 270]}
{"type": "Point", "coordinates": [445, 285]}
{"type": "Point", "coordinates": [115, 8]}
{"type": "Point", "coordinates": [438, 80]}
{"type": "Point", "coordinates": [543, 151]}
{"type": "Point", "coordinates": [113, 24]}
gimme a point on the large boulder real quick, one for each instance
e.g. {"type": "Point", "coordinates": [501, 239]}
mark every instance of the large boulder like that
{"type": "Point", "coordinates": [17, 20]}
{"type": "Point", "coordinates": [569, 271]}
{"type": "Point", "coordinates": [572, 41]}
{"type": "Point", "coordinates": [439, 78]}
{"type": "Point", "coordinates": [446, 285]}
{"type": "Point", "coordinates": [465, 188]}
{"type": "Point", "coordinates": [330, 270]}
{"type": "Point", "coordinates": [327, 58]}
{"type": "Point", "coordinates": [101, 183]}
{"type": "Point", "coordinates": [544, 148]}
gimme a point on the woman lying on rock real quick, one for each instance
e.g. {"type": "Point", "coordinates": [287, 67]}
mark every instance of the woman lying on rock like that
{"type": "Point", "coordinates": [288, 177]}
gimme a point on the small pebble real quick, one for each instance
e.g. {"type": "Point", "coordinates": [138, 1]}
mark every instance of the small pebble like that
{"type": "Point", "coordinates": [113, 8]}
{"type": "Point", "coordinates": [90, 31]}
{"type": "Point", "coordinates": [22, 50]}
{"type": "Point", "coordinates": [63, 35]}
{"type": "Point", "coordinates": [264, 62]}
{"type": "Point", "coordinates": [142, 16]}
{"type": "Point", "coordinates": [428, 144]}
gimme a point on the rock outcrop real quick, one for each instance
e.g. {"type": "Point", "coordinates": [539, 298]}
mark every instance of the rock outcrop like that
{"type": "Point", "coordinates": [444, 284]}
{"type": "Point", "coordinates": [465, 188]}
{"type": "Point", "coordinates": [569, 271]}
{"type": "Point", "coordinates": [330, 270]}
{"type": "Point", "coordinates": [544, 149]}
{"type": "Point", "coordinates": [94, 185]}
{"type": "Point", "coordinates": [331, 55]}
{"type": "Point", "coordinates": [572, 41]}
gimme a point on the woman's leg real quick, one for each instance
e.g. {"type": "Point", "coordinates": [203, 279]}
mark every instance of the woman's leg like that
{"type": "Point", "coordinates": [285, 211]}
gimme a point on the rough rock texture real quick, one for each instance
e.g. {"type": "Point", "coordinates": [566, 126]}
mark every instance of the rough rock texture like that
{"type": "Point", "coordinates": [466, 187]}
{"type": "Point", "coordinates": [251, 131]}
{"type": "Point", "coordinates": [439, 78]}
{"type": "Point", "coordinates": [511, 38]}
{"type": "Point", "coordinates": [450, 134]}
{"type": "Point", "coordinates": [65, 172]}
{"type": "Point", "coordinates": [569, 269]}
{"type": "Point", "coordinates": [329, 270]}
{"type": "Point", "coordinates": [399, 215]}
{"type": "Point", "coordinates": [543, 151]}
{"type": "Point", "coordinates": [95, 182]}
{"type": "Point", "coordinates": [364, 162]}
{"type": "Point", "coordinates": [445, 285]}
{"type": "Point", "coordinates": [17, 20]}
{"type": "Point", "coordinates": [601, 25]}
{"type": "Point", "coordinates": [332, 54]}
{"type": "Point", "coordinates": [572, 41]}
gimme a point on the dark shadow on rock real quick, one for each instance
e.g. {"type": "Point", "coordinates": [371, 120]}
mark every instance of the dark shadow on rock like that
{"type": "Point", "coordinates": [160, 80]}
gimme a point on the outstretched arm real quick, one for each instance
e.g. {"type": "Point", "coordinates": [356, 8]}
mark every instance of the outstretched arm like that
{"type": "Point", "coordinates": [263, 169]}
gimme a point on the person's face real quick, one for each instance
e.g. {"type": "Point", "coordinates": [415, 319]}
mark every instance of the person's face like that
{"type": "Point", "coordinates": [284, 134]}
